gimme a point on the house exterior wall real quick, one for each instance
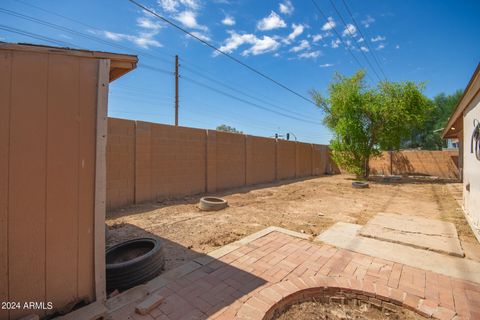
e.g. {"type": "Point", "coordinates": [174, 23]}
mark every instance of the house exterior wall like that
{"type": "Point", "coordinates": [48, 117]}
{"type": "Point", "coordinates": [471, 167]}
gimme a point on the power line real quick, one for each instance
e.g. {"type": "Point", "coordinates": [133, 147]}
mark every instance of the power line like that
{"type": "Point", "coordinates": [18, 31]}
{"type": "Point", "coordinates": [36, 36]}
{"type": "Point", "coordinates": [261, 124]}
{"type": "Point", "coordinates": [239, 88]}
{"type": "Point", "coordinates": [339, 37]}
{"type": "Point", "coordinates": [91, 37]}
{"type": "Point", "coordinates": [155, 69]}
{"type": "Point", "coordinates": [222, 52]}
{"type": "Point", "coordinates": [246, 101]}
{"type": "Point", "coordinates": [240, 91]}
{"type": "Point", "coordinates": [366, 39]}
{"type": "Point", "coordinates": [78, 33]}
{"type": "Point", "coordinates": [351, 34]}
{"type": "Point", "coordinates": [74, 20]}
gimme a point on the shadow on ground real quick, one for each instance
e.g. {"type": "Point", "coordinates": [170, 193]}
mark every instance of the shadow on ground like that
{"type": "Point", "coordinates": [193, 286]}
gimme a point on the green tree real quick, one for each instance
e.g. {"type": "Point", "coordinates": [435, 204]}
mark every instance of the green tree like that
{"type": "Point", "coordinates": [366, 120]}
{"type": "Point", "coordinates": [226, 128]}
{"type": "Point", "coordinates": [429, 136]}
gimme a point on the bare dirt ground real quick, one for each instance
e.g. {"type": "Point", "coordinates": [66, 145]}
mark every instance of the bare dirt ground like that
{"type": "Point", "coordinates": [309, 206]}
{"type": "Point", "coordinates": [332, 311]}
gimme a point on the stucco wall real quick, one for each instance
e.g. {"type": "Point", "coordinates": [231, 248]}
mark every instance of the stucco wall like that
{"type": "Point", "coordinates": [471, 166]}
{"type": "Point", "coordinates": [166, 161]}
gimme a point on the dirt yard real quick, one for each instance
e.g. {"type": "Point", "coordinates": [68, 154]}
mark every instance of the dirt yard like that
{"type": "Point", "coordinates": [309, 206]}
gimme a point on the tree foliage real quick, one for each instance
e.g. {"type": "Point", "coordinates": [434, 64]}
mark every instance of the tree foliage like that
{"type": "Point", "coordinates": [366, 120]}
{"type": "Point", "coordinates": [226, 128]}
{"type": "Point", "coordinates": [429, 136]}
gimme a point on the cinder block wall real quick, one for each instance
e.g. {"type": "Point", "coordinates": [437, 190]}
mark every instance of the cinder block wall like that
{"type": "Point", "coordinates": [230, 161]}
{"type": "Point", "coordinates": [149, 162]}
{"type": "Point", "coordinates": [121, 161]}
{"type": "Point", "coordinates": [260, 160]}
{"type": "Point", "coordinates": [286, 159]}
{"type": "Point", "coordinates": [443, 164]}
{"type": "Point", "coordinates": [304, 159]}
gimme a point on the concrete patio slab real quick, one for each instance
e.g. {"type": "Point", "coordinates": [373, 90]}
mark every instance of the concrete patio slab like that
{"type": "Point", "coordinates": [346, 236]}
{"type": "Point", "coordinates": [417, 232]}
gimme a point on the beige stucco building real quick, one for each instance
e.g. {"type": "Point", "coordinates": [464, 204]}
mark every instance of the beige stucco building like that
{"type": "Point", "coordinates": [464, 124]}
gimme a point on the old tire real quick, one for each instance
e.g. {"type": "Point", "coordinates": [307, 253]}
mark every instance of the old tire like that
{"type": "Point", "coordinates": [212, 204]}
{"type": "Point", "coordinates": [133, 262]}
{"type": "Point", "coordinates": [359, 184]}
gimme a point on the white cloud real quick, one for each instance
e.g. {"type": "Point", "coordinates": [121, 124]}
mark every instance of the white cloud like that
{"type": "Point", "coordinates": [236, 40]}
{"type": "Point", "coordinates": [189, 20]}
{"type": "Point", "coordinates": [302, 46]}
{"type": "Point", "coordinates": [258, 46]}
{"type": "Point", "coordinates": [368, 21]}
{"type": "Point", "coordinates": [168, 5]}
{"type": "Point", "coordinates": [228, 21]}
{"type": "Point", "coordinates": [380, 46]}
{"type": "Point", "coordinates": [335, 43]}
{"type": "Point", "coordinates": [264, 45]}
{"type": "Point", "coordinates": [148, 23]}
{"type": "Point", "coordinates": [192, 4]}
{"type": "Point", "coordinates": [309, 55]}
{"type": "Point", "coordinates": [200, 35]}
{"type": "Point", "coordinates": [173, 5]}
{"type": "Point", "coordinates": [329, 25]}
{"type": "Point", "coordinates": [364, 49]}
{"type": "Point", "coordinates": [317, 37]}
{"type": "Point", "coordinates": [378, 38]}
{"type": "Point", "coordinates": [360, 40]}
{"type": "Point", "coordinates": [273, 21]}
{"type": "Point", "coordinates": [297, 30]}
{"type": "Point", "coordinates": [397, 46]}
{"type": "Point", "coordinates": [350, 30]}
{"type": "Point", "coordinates": [143, 39]}
{"type": "Point", "coordinates": [326, 65]}
{"type": "Point", "coordinates": [327, 34]}
{"type": "Point", "coordinates": [286, 7]}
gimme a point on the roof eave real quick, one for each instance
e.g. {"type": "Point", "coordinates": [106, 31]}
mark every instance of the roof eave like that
{"type": "Point", "coordinates": [120, 64]}
{"type": "Point", "coordinates": [464, 102]}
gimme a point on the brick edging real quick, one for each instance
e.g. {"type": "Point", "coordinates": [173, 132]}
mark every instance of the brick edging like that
{"type": "Point", "coordinates": [263, 304]}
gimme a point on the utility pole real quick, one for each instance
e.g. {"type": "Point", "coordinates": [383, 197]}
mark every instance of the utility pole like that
{"type": "Point", "coordinates": [176, 90]}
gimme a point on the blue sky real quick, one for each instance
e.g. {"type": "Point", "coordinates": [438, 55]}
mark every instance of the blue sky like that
{"type": "Point", "coordinates": [419, 40]}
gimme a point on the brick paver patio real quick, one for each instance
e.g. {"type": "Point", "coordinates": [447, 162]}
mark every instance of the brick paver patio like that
{"type": "Point", "coordinates": [257, 277]}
